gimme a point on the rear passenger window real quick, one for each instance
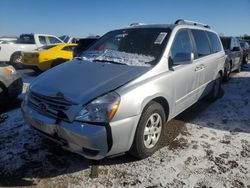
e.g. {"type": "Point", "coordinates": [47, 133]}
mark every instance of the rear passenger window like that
{"type": "Point", "coordinates": [214, 41]}
{"type": "Point", "coordinates": [201, 41]}
{"type": "Point", "coordinates": [181, 44]}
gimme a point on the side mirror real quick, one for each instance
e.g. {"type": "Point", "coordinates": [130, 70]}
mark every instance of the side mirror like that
{"type": "Point", "coordinates": [236, 48]}
{"type": "Point", "coordinates": [183, 58]}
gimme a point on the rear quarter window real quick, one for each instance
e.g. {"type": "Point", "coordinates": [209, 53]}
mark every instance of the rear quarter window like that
{"type": "Point", "coordinates": [26, 39]}
{"type": "Point", "coordinates": [201, 42]}
{"type": "Point", "coordinates": [214, 41]}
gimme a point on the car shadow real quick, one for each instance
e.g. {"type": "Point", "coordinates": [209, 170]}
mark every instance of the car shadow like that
{"type": "Point", "coordinates": [43, 159]}
{"type": "Point", "coordinates": [13, 104]}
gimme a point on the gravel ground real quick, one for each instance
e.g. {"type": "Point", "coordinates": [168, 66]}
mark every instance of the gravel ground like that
{"type": "Point", "coordinates": [208, 145]}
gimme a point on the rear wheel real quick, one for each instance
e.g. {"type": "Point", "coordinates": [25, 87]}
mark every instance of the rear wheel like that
{"type": "Point", "coordinates": [16, 60]}
{"type": "Point", "coordinates": [216, 91]}
{"type": "Point", "coordinates": [149, 131]}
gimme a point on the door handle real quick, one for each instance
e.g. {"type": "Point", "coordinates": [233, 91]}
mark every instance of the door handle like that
{"type": "Point", "coordinates": [199, 67]}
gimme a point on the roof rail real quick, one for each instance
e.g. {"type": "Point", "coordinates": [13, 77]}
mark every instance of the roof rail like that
{"type": "Point", "coordinates": [136, 24]}
{"type": "Point", "coordinates": [188, 22]}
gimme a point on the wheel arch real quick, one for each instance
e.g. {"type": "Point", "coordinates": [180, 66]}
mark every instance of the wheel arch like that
{"type": "Point", "coordinates": [162, 101]}
{"type": "Point", "coordinates": [14, 53]}
{"type": "Point", "coordinates": [221, 73]}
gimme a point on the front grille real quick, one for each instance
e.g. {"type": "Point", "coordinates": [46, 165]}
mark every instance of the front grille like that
{"type": "Point", "coordinates": [50, 105]}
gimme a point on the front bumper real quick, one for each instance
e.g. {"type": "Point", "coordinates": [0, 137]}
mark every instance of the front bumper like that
{"type": "Point", "coordinates": [89, 140]}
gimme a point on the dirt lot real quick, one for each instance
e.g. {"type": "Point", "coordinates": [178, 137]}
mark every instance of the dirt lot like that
{"type": "Point", "coordinates": [208, 145]}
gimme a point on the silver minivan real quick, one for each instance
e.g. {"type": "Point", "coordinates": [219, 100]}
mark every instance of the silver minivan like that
{"type": "Point", "coordinates": [118, 95]}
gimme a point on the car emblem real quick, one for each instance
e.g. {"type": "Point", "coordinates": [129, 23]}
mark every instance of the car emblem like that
{"type": "Point", "coordinates": [43, 107]}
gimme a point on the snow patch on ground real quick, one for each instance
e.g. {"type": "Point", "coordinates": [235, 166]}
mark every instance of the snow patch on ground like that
{"type": "Point", "coordinates": [208, 145]}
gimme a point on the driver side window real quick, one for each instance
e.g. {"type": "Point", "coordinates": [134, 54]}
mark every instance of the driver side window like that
{"type": "Point", "coordinates": [181, 44]}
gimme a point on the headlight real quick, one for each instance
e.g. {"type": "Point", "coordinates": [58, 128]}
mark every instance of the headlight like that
{"type": "Point", "coordinates": [102, 109]}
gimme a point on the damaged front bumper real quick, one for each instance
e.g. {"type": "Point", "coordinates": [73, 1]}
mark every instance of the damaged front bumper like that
{"type": "Point", "coordinates": [88, 140]}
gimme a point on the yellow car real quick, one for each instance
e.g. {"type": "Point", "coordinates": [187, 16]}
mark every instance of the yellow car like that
{"type": "Point", "coordinates": [47, 56]}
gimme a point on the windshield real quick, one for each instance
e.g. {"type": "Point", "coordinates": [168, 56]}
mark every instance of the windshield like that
{"type": "Point", "coordinates": [65, 38]}
{"type": "Point", "coordinates": [244, 45]}
{"type": "Point", "coordinates": [136, 47]}
{"type": "Point", "coordinates": [26, 39]}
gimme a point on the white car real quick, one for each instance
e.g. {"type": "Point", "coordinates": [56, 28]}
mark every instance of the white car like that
{"type": "Point", "coordinates": [11, 52]}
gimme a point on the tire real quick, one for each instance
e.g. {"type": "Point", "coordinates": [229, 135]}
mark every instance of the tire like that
{"type": "Point", "coordinates": [4, 99]}
{"type": "Point", "coordinates": [246, 60]}
{"type": "Point", "coordinates": [227, 71]}
{"type": "Point", "coordinates": [16, 60]}
{"type": "Point", "coordinates": [216, 91]}
{"type": "Point", "coordinates": [149, 131]}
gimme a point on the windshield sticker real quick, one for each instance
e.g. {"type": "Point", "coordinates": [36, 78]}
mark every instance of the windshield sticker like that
{"type": "Point", "coordinates": [160, 38]}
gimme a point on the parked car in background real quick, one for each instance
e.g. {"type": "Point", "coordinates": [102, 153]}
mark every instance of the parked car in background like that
{"type": "Point", "coordinates": [68, 39]}
{"type": "Point", "coordinates": [119, 95]}
{"type": "Point", "coordinates": [234, 55]}
{"type": "Point", "coordinates": [248, 41]}
{"type": "Point", "coordinates": [8, 39]}
{"type": "Point", "coordinates": [83, 44]}
{"type": "Point", "coordinates": [10, 84]}
{"type": "Point", "coordinates": [27, 42]}
{"type": "Point", "coordinates": [47, 57]}
{"type": "Point", "coordinates": [246, 51]}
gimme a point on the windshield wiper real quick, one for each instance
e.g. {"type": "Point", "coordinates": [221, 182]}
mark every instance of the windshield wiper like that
{"type": "Point", "coordinates": [109, 61]}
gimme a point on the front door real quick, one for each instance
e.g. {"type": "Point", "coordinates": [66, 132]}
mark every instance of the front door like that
{"type": "Point", "coordinates": [184, 76]}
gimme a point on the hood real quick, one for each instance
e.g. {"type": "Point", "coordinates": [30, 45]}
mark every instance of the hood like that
{"type": "Point", "coordinates": [83, 81]}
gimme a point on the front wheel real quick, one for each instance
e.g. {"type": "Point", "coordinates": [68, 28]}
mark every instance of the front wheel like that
{"type": "Point", "coordinates": [149, 131]}
{"type": "Point", "coordinates": [239, 68]}
{"type": "Point", "coordinates": [227, 71]}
